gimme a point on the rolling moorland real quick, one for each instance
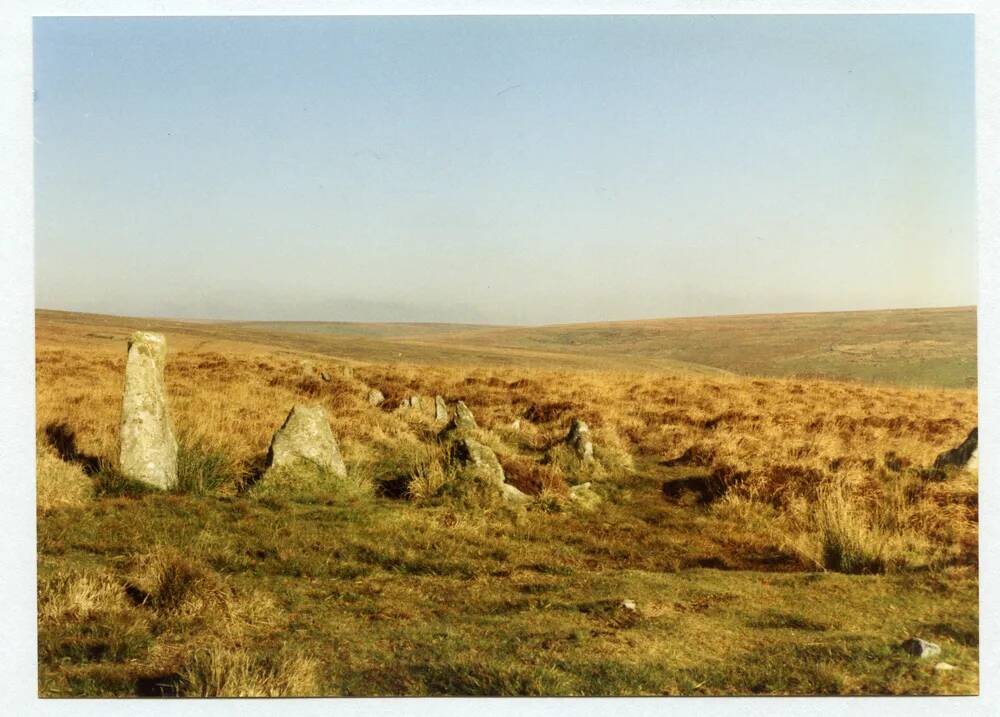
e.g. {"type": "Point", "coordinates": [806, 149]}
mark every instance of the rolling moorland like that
{"type": "Point", "coordinates": [765, 524]}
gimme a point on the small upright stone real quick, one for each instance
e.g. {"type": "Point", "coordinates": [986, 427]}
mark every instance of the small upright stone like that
{"type": "Point", "coordinates": [579, 440]}
{"type": "Point", "coordinates": [147, 446]}
{"type": "Point", "coordinates": [325, 376]}
{"type": "Point", "coordinates": [440, 409]}
{"type": "Point", "coordinates": [305, 437]}
{"type": "Point", "coordinates": [463, 420]}
{"type": "Point", "coordinates": [409, 402]}
{"type": "Point", "coordinates": [375, 397]}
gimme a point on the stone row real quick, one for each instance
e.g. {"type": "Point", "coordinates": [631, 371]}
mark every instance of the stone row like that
{"type": "Point", "coordinates": [148, 447]}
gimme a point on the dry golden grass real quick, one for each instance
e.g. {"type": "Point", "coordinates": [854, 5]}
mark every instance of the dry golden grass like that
{"type": "Point", "coordinates": [785, 445]}
{"type": "Point", "coordinates": [825, 471]}
{"type": "Point", "coordinates": [221, 671]}
{"type": "Point", "coordinates": [59, 484]}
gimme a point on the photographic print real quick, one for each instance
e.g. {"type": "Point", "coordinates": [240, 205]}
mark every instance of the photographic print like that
{"type": "Point", "coordinates": [506, 355]}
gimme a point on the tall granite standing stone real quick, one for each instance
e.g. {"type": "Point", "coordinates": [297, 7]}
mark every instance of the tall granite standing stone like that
{"type": "Point", "coordinates": [147, 446]}
{"type": "Point", "coordinates": [305, 437]}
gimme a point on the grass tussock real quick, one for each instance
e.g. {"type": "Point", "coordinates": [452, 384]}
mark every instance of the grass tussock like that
{"type": "Point", "coordinates": [171, 583]}
{"type": "Point", "coordinates": [59, 484]}
{"type": "Point", "coordinates": [203, 471]}
{"type": "Point", "coordinates": [304, 480]}
{"type": "Point", "coordinates": [224, 671]}
{"type": "Point", "coordinates": [532, 477]}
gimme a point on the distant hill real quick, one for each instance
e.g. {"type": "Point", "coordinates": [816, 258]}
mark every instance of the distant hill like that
{"type": "Point", "coordinates": [932, 347]}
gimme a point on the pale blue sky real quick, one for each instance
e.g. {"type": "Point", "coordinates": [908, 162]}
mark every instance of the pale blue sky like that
{"type": "Point", "coordinates": [503, 169]}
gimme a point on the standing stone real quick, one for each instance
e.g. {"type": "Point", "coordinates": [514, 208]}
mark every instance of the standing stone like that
{"type": "Point", "coordinates": [579, 440]}
{"type": "Point", "coordinates": [478, 461]}
{"type": "Point", "coordinates": [148, 449]}
{"type": "Point", "coordinates": [409, 402]}
{"type": "Point", "coordinates": [463, 418]}
{"type": "Point", "coordinates": [305, 437]}
{"type": "Point", "coordinates": [440, 409]}
{"type": "Point", "coordinates": [375, 397]}
{"type": "Point", "coordinates": [325, 376]}
{"type": "Point", "coordinates": [964, 456]}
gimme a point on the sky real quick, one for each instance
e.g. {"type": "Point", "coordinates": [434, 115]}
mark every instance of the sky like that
{"type": "Point", "coordinates": [503, 170]}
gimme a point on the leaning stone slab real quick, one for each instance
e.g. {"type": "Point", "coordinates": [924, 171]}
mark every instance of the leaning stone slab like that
{"type": "Point", "coordinates": [965, 456]}
{"type": "Point", "coordinates": [579, 440]}
{"type": "Point", "coordinates": [305, 438]}
{"type": "Point", "coordinates": [147, 446]}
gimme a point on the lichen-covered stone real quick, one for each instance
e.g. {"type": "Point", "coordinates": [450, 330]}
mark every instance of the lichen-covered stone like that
{"type": "Point", "coordinates": [440, 409]}
{"type": "Point", "coordinates": [579, 440]}
{"type": "Point", "coordinates": [478, 460]}
{"type": "Point", "coordinates": [463, 420]}
{"type": "Point", "coordinates": [305, 437]}
{"type": "Point", "coordinates": [147, 446]}
{"type": "Point", "coordinates": [375, 397]}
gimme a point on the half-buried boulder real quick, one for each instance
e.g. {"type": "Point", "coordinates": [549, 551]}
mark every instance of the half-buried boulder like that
{"type": "Point", "coordinates": [579, 440]}
{"type": "Point", "coordinates": [479, 477]}
{"type": "Point", "coordinates": [511, 494]}
{"type": "Point", "coordinates": [478, 461]}
{"type": "Point", "coordinates": [147, 446]}
{"type": "Point", "coordinates": [304, 449]}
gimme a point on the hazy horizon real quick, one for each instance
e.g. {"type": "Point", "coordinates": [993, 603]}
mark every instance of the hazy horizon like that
{"type": "Point", "coordinates": [210, 319]}
{"type": "Point", "coordinates": [503, 170]}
